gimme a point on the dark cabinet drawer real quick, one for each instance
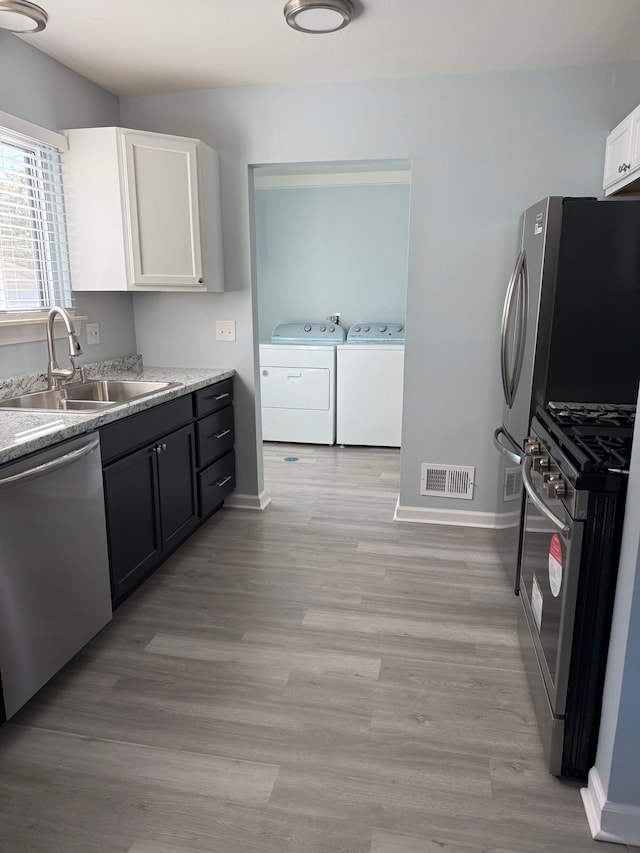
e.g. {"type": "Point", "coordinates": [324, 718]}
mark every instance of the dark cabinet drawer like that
{"type": "Point", "coordinates": [213, 397]}
{"type": "Point", "coordinates": [125, 435]}
{"type": "Point", "coordinates": [216, 483]}
{"type": "Point", "coordinates": [215, 436]}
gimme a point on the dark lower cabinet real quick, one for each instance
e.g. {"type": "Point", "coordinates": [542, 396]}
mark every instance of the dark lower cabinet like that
{"type": "Point", "coordinates": [151, 507]}
{"type": "Point", "coordinates": [166, 470]}
{"type": "Point", "coordinates": [133, 520]}
{"type": "Point", "coordinates": [176, 461]}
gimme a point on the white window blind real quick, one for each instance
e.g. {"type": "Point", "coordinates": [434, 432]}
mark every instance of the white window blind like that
{"type": "Point", "coordinates": [34, 263]}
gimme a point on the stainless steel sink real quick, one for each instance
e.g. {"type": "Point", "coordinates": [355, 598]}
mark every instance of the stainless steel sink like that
{"type": "Point", "coordinates": [113, 390]}
{"type": "Point", "coordinates": [90, 396]}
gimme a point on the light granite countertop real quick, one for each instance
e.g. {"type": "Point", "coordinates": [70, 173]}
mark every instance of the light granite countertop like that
{"type": "Point", "coordinates": [23, 432]}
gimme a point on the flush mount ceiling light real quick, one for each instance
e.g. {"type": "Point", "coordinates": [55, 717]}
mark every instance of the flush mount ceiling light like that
{"type": "Point", "coordinates": [20, 16]}
{"type": "Point", "coordinates": [318, 16]}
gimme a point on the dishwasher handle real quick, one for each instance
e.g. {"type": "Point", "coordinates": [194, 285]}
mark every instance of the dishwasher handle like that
{"type": "Point", "coordinates": [53, 465]}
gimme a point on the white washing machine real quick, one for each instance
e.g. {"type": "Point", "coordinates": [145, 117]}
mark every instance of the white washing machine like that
{"type": "Point", "coordinates": [370, 376]}
{"type": "Point", "coordinates": [298, 383]}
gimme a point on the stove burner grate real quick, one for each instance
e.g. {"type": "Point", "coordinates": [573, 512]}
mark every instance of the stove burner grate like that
{"type": "Point", "coordinates": [592, 414]}
{"type": "Point", "coordinates": [606, 452]}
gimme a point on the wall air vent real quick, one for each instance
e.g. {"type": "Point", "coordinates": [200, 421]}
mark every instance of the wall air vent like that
{"type": "Point", "coordinates": [512, 484]}
{"type": "Point", "coordinates": [447, 481]}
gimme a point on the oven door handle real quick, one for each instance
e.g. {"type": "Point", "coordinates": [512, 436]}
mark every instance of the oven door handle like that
{"type": "Point", "coordinates": [539, 503]}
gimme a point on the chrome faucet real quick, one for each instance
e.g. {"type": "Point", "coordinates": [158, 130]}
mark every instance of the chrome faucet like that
{"type": "Point", "coordinates": [55, 373]}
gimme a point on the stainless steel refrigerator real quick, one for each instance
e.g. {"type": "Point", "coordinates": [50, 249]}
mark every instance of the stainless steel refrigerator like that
{"type": "Point", "coordinates": [571, 320]}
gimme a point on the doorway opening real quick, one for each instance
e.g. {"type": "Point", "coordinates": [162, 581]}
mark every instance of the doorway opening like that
{"type": "Point", "coordinates": [330, 252]}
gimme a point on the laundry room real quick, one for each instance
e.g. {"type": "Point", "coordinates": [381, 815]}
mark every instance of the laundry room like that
{"type": "Point", "coordinates": [331, 253]}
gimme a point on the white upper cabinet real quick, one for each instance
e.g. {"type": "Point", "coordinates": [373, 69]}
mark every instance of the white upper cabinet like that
{"type": "Point", "coordinates": [622, 156]}
{"type": "Point", "coordinates": [143, 211]}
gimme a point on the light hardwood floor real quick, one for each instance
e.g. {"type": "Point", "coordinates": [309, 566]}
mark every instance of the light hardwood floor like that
{"type": "Point", "coordinates": [313, 678]}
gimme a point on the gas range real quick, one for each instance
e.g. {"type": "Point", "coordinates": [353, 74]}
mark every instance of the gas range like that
{"type": "Point", "coordinates": [575, 480]}
{"type": "Point", "coordinates": [581, 449]}
{"type": "Point", "coordinates": [597, 437]}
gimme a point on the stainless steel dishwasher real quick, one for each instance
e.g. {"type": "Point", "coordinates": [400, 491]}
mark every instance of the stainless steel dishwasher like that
{"type": "Point", "coordinates": [54, 569]}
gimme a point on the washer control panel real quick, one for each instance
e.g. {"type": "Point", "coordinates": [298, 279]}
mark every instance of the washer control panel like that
{"type": "Point", "coordinates": [376, 332]}
{"type": "Point", "coordinates": [308, 333]}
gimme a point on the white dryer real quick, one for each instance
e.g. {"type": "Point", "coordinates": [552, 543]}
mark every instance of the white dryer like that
{"type": "Point", "coordinates": [370, 376]}
{"type": "Point", "coordinates": [298, 383]}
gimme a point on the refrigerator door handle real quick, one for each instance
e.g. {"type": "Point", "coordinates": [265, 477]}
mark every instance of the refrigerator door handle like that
{"type": "Point", "coordinates": [523, 281]}
{"type": "Point", "coordinates": [509, 448]}
{"type": "Point", "coordinates": [504, 330]}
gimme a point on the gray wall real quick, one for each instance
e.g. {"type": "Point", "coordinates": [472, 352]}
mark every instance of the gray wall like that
{"type": "Point", "coordinates": [481, 149]}
{"type": "Point", "coordinates": [325, 249]}
{"type": "Point", "coordinates": [38, 89]}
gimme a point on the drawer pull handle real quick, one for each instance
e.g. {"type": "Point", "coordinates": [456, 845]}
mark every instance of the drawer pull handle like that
{"type": "Point", "coordinates": [223, 481]}
{"type": "Point", "coordinates": [220, 434]}
{"type": "Point", "coordinates": [219, 397]}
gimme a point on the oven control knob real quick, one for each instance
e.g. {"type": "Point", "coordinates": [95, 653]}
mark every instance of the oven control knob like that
{"type": "Point", "coordinates": [398, 328]}
{"type": "Point", "coordinates": [332, 328]}
{"type": "Point", "coordinates": [382, 328]}
{"type": "Point", "coordinates": [367, 328]}
{"type": "Point", "coordinates": [356, 328]}
{"type": "Point", "coordinates": [540, 463]}
{"type": "Point", "coordinates": [531, 446]}
{"type": "Point", "coordinates": [556, 489]}
{"type": "Point", "coordinates": [323, 328]}
{"type": "Point", "coordinates": [307, 328]}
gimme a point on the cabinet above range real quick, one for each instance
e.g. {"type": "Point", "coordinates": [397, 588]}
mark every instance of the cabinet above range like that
{"type": "Point", "coordinates": [622, 157]}
{"type": "Point", "coordinates": [143, 212]}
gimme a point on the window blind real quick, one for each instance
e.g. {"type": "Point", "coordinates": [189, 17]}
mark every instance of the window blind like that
{"type": "Point", "coordinates": [34, 263]}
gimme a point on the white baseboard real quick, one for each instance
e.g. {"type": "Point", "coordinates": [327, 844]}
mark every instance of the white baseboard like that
{"type": "Point", "coordinates": [255, 502]}
{"type": "Point", "coordinates": [455, 517]}
{"type": "Point", "coordinates": [618, 823]}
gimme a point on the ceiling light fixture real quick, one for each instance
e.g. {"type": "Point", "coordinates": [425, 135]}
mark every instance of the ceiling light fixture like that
{"type": "Point", "coordinates": [318, 16]}
{"type": "Point", "coordinates": [20, 16]}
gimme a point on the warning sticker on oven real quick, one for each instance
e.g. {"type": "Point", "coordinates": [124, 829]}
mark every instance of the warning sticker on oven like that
{"type": "Point", "coordinates": [555, 565]}
{"type": "Point", "coordinates": [536, 602]}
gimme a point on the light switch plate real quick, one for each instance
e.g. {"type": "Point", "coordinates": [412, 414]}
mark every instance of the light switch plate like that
{"type": "Point", "coordinates": [225, 330]}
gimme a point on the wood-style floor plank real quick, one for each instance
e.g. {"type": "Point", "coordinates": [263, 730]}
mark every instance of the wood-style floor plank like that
{"type": "Point", "coordinates": [313, 678]}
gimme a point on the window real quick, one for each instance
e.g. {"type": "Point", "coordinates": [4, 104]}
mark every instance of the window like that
{"type": "Point", "coordinates": [34, 263]}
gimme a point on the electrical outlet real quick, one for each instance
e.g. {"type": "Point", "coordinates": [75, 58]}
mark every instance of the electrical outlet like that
{"type": "Point", "coordinates": [93, 333]}
{"type": "Point", "coordinates": [225, 330]}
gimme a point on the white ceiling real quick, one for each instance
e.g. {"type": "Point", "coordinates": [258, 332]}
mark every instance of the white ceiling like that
{"type": "Point", "coordinates": [143, 46]}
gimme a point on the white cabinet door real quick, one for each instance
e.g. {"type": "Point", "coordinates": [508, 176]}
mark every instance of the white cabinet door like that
{"type": "Point", "coordinates": [622, 157]}
{"type": "Point", "coordinates": [137, 205]}
{"type": "Point", "coordinates": [617, 159]}
{"type": "Point", "coordinates": [161, 196]}
{"type": "Point", "coordinates": [635, 140]}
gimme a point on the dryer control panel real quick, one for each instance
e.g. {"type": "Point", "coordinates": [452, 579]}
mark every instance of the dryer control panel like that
{"type": "Point", "coordinates": [308, 333]}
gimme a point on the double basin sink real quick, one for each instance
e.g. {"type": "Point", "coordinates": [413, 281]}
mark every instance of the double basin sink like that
{"type": "Point", "coordinates": [89, 396]}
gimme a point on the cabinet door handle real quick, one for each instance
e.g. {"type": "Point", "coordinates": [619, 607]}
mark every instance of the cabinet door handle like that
{"type": "Point", "coordinates": [220, 434]}
{"type": "Point", "coordinates": [219, 397]}
{"type": "Point", "coordinates": [220, 483]}
{"type": "Point", "coordinates": [200, 280]}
